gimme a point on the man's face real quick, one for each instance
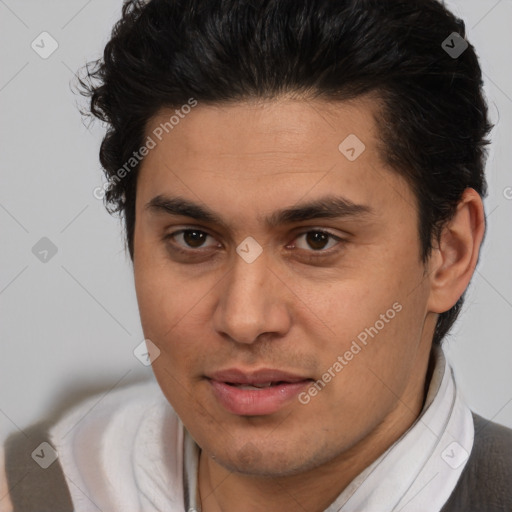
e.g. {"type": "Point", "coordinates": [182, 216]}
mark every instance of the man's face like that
{"type": "Point", "coordinates": [222, 318]}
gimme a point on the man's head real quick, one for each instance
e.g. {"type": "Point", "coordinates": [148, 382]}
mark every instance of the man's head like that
{"type": "Point", "coordinates": [433, 119]}
{"type": "Point", "coordinates": [257, 120]}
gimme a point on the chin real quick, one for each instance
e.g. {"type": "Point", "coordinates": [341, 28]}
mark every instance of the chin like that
{"type": "Point", "coordinates": [267, 462]}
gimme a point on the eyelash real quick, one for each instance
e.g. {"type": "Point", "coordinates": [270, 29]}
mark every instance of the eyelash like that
{"type": "Point", "coordinates": [312, 253]}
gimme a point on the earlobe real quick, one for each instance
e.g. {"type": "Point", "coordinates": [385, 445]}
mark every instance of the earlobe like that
{"type": "Point", "coordinates": [455, 259]}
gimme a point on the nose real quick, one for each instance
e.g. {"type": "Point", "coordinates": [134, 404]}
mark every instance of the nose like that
{"type": "Point", "coordinates": [252, 301]}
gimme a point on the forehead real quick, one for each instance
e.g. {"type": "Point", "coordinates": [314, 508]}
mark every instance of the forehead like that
{"type": "Point", "coordinates": [252, 156]}
{"type": "Point", "coordinates": [286, 127]}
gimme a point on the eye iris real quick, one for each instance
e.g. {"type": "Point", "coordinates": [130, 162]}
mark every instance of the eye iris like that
{"type": "Point", "coordinates": [317, 240]}
{"type": "Point", "coordinates": [194, 238]}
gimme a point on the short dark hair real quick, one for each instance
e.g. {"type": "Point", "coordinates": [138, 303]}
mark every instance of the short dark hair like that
{"type": "Point", "coordinates": [433, 117]}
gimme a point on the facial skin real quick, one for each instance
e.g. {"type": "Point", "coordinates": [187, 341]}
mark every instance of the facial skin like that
{"type": "Point", "coordinates": [294, 308]}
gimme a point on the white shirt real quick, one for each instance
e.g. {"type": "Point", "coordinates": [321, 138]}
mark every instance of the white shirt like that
{"type": "Point", "coordinates": [129, 451]}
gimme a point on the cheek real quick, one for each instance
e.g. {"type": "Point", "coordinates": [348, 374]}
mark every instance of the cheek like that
{"type": "Point", "coordinates": [172, 308]}
{"type": "Point", "coordinates": [344, 309]}
{"type": "Point", "coordinates": [170, 320]}
{"type": "Point", "coordinates": [164, 295]}
{"type": "Point", "coordinates": [157, 298]}
{"type": "Point", "coordinates": [375, 323]}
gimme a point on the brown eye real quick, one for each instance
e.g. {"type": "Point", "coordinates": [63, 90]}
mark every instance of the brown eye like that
{"type": "Point", "coordinates": [194, 238]}
{"type": "Point", "coordinates": [190, 239]}
{"type": "Point", "coordinates": [318, 240]}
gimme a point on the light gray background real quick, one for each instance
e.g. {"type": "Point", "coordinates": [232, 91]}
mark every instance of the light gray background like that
{"type": "Point", "coordinates": [72, 323]}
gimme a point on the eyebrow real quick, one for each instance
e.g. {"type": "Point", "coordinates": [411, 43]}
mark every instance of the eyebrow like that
{"type": "Point", "coordinates": [328, 207]}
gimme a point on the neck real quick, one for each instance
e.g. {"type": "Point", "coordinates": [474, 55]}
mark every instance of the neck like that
{"type": "Point", "coordinates": [314, 490]}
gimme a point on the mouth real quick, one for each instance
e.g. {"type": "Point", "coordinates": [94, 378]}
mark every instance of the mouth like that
{"type": "Point", "coordinates": [255, 386]}
{"type": "Point", "coordinates": [255, 393]}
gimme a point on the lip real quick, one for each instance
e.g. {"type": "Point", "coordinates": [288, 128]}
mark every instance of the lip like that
{"type": "Point", "coordinates": [237, 376]}
{"type": "Point", "coordinates": [255, 402]}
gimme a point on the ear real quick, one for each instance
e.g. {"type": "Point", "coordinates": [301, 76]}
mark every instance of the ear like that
{"type": "Point", "coordinates": [453, 262]}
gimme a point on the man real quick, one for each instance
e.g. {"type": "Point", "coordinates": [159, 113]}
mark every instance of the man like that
{"type": "Point", "coordinates": [302, 184]}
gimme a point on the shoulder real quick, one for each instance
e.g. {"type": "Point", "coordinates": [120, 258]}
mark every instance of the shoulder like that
{"type": "Point", "coordinates": [95, 443]}
{"type": "Point", "coordinates": [485, 481]}
{"type": "Point", "coordinates": [493, 456]}
{"type": "Point", "coordinates": [117, 444]}
{"type": "Point", "coordinates": [5, 500]}
{"type": "Point", "coordinates": [98, 408]}
{"type": "Point", "coordinates": [493, 434]}
{"type": "Point", "coordinates": [107, 426]}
